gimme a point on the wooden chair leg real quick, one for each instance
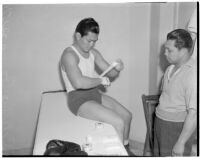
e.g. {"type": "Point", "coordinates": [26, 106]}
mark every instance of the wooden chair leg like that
{"type": "Point", "coordinates": [147, 150]}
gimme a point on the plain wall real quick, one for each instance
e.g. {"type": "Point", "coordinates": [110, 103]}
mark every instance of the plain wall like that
{"type": "Point", "coordinates": [139, 67]}
{"type": "Point", "coordinates": [184, 14]}
{"type": "Point", "coordinates": [34, 37]}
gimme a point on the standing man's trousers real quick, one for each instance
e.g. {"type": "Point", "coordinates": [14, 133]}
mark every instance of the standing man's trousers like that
{"type": "Point", "coordinates": [166, 134]}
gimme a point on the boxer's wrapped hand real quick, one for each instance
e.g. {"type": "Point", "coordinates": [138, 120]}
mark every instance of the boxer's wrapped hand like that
{"type": "Point", "coordinates": [105, 81]}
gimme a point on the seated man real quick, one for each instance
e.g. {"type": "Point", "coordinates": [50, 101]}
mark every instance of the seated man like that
{"type": "Point", "coordinates": [175, 122]}
{"type": "Point", "coordinates": [78, 70]}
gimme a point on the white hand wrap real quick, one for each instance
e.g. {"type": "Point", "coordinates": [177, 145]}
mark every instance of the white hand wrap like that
{"type": "Point", "coordinates": [105, 81]}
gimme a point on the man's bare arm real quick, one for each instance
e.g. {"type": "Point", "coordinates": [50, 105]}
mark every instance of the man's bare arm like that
{"type": "Point", "coordinates": [188, 129]}
{"type": "Point", "coordinates": [189, 126]}
{"type": "Point", "coordinates": [70, 63]}
{"type": "Point", "coordinates": [103, 64]}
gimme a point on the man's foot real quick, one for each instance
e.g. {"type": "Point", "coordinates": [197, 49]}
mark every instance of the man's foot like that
{"type": "Point", "coordinates": [130, 153]}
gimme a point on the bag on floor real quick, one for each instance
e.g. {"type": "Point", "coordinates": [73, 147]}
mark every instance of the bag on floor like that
{"type": "Point", "coordinates": [59, 147]}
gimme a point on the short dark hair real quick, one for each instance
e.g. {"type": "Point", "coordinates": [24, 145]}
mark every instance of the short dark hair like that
{"type": "Point", "coordinates": [87, 25]}
{"type": "Point", "coordinates": [182, 39]}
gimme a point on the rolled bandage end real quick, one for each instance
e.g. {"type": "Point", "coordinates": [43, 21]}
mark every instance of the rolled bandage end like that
{"type": "Point", "coordinates": [114, 63]}
{"type": "Point", "coordinates": [109, 68]}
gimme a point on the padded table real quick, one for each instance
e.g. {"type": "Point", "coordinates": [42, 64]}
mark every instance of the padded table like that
{"type": "Point", "coordinates": [56, 121]}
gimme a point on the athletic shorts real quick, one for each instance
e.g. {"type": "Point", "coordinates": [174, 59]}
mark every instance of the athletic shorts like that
{"type": "Point", "coordinates": [78, 97]}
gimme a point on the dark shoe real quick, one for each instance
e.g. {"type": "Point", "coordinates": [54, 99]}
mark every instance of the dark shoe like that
{"type": "Point", "coordinates": [130, 153]}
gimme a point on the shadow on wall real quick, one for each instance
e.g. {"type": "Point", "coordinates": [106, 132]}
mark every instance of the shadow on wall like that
{"type": "Point", "coordinates": [163, 61]}
{"type": "Point", "coordinates": [163, 64]}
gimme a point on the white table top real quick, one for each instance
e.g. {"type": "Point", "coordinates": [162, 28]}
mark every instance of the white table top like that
{"type": "Point", "coordinates": [57, 122]}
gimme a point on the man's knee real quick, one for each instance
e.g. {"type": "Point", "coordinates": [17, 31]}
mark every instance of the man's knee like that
{"type": "Point", "coordinates": [128, 116]}
{"type": "Point", "coordinates": [119, 123]}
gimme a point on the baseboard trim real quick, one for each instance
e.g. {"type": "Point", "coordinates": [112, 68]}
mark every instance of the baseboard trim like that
{"type": "Point", "coordinates": [22, 151]}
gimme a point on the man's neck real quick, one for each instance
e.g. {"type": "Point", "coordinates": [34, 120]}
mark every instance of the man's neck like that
{"type": "Point", "coordinates": [183, 61]}
{"type": "Point", "coordinates": [84, 54]}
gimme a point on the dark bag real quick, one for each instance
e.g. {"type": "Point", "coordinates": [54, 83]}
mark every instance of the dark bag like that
{"type": "Point", "coordinates": [59, 147]}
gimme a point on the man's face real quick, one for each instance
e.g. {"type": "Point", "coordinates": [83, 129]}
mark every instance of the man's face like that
{"type": "Point", "coordinates": [172, 53]}
{"type": "Point", "coordinates": [88, 41]}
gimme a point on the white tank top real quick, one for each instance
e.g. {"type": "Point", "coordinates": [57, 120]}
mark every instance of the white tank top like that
{"type": "Point", "coordinates": [86, 66]}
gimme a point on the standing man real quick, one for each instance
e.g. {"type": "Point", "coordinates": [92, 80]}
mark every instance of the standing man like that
{"type": "Point", "coordinates": [78, 71]}
{"type": "Point", "coordinates": [175, 121]}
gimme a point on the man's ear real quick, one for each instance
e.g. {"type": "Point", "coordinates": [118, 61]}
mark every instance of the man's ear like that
{"type": "Point", "coordinates": [184, 51]}
{"type": "Point", "coordinates": [78, 36]}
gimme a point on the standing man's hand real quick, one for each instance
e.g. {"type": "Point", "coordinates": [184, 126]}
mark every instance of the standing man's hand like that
{"type": "Point", "coordinates": [178, 149]}
{"type": "Point", "coordinates": [120, 65]}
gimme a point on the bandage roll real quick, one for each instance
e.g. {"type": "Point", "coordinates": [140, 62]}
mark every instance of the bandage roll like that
{"type": "Point", "coordinates": [114, 64]}
{"type": "Point", "coordinates": [99, 125]}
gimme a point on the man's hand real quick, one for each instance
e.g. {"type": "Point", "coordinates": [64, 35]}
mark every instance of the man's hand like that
{"type": "Point", "coordinates": [120, 65]}
{"type": "Point", "coordinates": [188, 129]}
{"type": "Point", "coordinates": [178, 149]}
{"type": "Point", "coordinates": [105, 81]}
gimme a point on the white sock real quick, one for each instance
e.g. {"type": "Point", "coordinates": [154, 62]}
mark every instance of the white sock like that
{"type": "Point", "coordinates": [126, 142]}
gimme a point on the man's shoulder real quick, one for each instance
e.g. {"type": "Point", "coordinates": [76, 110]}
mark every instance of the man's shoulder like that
{"type": "Point", "coordinates": [68, 54]}
{"type": "Point", "coordinates": [168, 68]}
{"type": "Point", "coordinates": [95, 52]}
{"type": "Point", "coordinates": [68, 50]}
{"type": "Point", "coordinates": [194, 65]}
{"type": "Point", "coordinates": [190, 75]}
{"type": "Point", "coordinates": [191, 67]}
